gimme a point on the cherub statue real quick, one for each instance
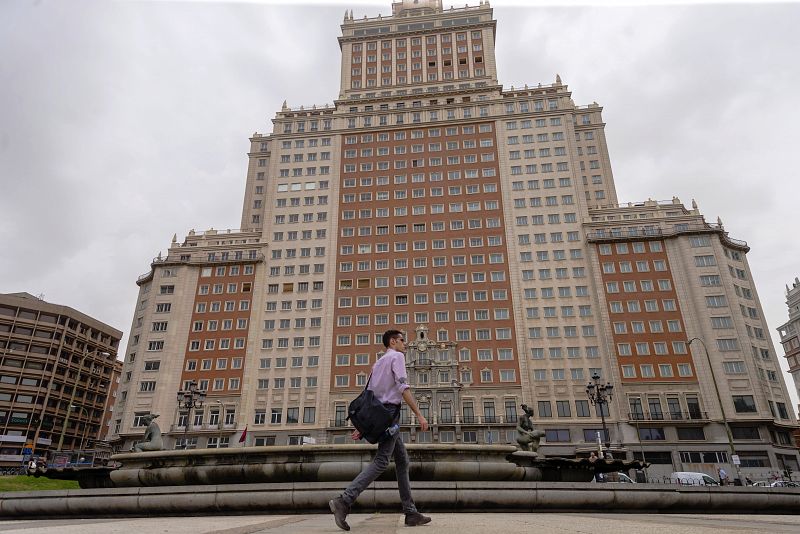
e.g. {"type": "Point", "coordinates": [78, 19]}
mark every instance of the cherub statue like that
{"type": "Point", "coordinates": [152, 436]}
{"type": "Point", "coordinates": [527, 438]}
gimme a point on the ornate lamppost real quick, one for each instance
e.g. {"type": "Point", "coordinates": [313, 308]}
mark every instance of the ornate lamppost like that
{"type": "Point", "coordinates": [600, 394]}
{"type": "Point", "coordinates": [190, 399]}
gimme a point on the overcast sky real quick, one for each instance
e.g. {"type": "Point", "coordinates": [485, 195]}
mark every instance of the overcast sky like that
{"type": "Point", "coordinates": [123, 123]}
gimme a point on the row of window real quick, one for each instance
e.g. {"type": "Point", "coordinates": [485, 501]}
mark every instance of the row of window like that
{"type": "Point", "coordinates": [299, 322]}
{"type": "Point", "coordinates": [416, 41]}
{"type": "Point", "coordinates": [292, 416]}
{"type": "Point", "coordinates": [294, 202]}
{"type": "Point", "coordinates": [569, 331]}
{"type": "Point", "coordinates": [302, 304]}
{"type": "Point", "coordinates": [552, 311]}
{"type": "Point", "coordinates": [542, 238]}
{"type": "Point", "coordinates": [216, 384]}
{"type": "Point", "coordinates": [302, 234]}
{"type": "Point", "coordinates": [435, 244]}
{"type": "Point", "coordinates": [222, 270]}
{"type": "Point", "coordinates": [561, 273]}
{"type": "Point", "coordinates": [629, 286]}
{"type": "Point", "coordinates": [417, 78]}
{"type": "Point", "coordinates": [308, 156]}
{"type": "Point", "coordinates": [557, 353]}
{"type": "Point", "coordinates": [418, 148]}
{"type": "Point", "coordinates": [642, 266]}
{"type": "Point", "coordinates": [297, 342]}
{"type": "Point", "coordinates": [297, 186]}
{"type": "Point", "coordinates": [230, 287]}
{"type": "Point", "coordinates": [402, 135]}
{"type": "Point", "coordinates": [627, 248]}
{"type": "Point", "coordinates": [213, 324]}
{"type": "Point", "coordinates": [496, 295]}
{"type": "Point", "coordinates": [313, 126]}
{"type": "Point", "coordinates": [297, 172]}
{"type": "Point", "coordinates": [294, 218]}
{"type": "Point", "coordinates": [216, 344]}
{"type": "Point", "coordinates": [634, 306]}
{"type": "Point", "coordinates": [399, 194]}
{"type": "Point", "coordinates": [532, 293]}
{"type": "Point", "coordinates": [486, 376]}
{"type": "Point", "coordinates": [282, 362]}
{"type": "Point", "coordinates": [419, 280]}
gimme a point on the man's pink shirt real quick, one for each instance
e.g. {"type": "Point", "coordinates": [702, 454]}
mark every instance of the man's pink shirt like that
{"type": "Point", "coordinates": [389, 378]}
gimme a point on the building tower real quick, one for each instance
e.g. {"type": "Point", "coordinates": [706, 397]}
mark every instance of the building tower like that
{"type": "Point", "coordinates": [429, 198]}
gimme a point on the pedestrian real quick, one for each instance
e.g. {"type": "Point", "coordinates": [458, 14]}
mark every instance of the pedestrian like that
{"type": "Point", "coordinates": [389, 384]}
{"type": "Point", "coordinates": [723, 477]}
{"type": "Point", "coordinates": [748, 480]}
{"type": "Point", "coordinates": [598, 477]}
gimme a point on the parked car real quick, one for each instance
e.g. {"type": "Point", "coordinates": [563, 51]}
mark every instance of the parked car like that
{"type": "Point", "coordinates": [620, 478]}
{"type": "Point", "coordinates": [689, 478]}
{"type": "Point", "coordinates": [784, 484]}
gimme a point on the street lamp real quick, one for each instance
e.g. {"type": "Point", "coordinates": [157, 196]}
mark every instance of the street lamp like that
{"type": "Point", "coordinates": [220, 422]}
{"type": "Point", "coordinates": [86, 424]}
{"type": "Point", "coordinates": [74, 391]}
{"type": "Point", "coordinates": [190, 399]}
{"type": "Point", "coordinates": [600, 394]}
{"type": "Point", "coordinates": [721, 407]}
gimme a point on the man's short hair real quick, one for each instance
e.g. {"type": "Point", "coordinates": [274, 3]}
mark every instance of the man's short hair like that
{"type": "Point", "coordinates": [389, 335]}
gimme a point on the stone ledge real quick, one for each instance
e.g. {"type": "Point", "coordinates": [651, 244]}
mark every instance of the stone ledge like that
{"type": "Point", "coordinates": [470, 496]}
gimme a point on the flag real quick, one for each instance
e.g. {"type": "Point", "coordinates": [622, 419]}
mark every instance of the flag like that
{"type": "Point", "coordinates": [243, 438]}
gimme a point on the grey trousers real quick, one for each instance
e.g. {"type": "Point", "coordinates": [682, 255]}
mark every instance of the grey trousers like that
{"type": "Point", "coordinates": [387, 449]}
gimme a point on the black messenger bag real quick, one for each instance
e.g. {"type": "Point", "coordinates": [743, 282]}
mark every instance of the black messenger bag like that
{"type": "Point", "coordinates": [369, 415]}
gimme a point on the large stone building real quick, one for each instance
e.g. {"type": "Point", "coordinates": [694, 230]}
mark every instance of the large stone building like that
{"type": "Point", "coordinates": [58, 377]}
{"type": "Point", "coordinates": [790, 337]}
{"type": "Point", "coordinates": [484, 222]}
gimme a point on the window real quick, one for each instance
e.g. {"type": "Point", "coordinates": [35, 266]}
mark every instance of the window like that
{"type": "Point", "coordinates": [744, 404]}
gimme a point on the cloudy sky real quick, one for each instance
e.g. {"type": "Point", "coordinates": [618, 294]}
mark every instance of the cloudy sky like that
{"type": "Point", "coordinates": [123, 123]}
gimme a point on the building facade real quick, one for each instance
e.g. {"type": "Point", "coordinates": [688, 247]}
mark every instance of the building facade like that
{"type": "Point", "coordinates": [790, 338]}
{"type": "Point", "coordinates": [431, 199]}
{"type": "Point", "coordinates": [58, 378]}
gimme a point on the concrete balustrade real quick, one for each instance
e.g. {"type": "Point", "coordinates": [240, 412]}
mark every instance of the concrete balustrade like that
{"type": "Point", "coordinates": [472, 496]}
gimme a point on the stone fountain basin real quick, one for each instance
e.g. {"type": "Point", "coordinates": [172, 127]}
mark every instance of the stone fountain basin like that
{"type": "Point", "coordinates": [321, 463]}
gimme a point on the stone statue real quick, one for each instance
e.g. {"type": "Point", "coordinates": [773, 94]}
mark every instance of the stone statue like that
{"type": "Point", "coordinates": [152, 436]}
{"type": "Point", "coordinates": [527, 438]}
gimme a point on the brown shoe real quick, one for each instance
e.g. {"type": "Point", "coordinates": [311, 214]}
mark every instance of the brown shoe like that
{"type": "Point", "coordinates": [415, 519]}
{"type": "Point", "coordinates": [340, 511]}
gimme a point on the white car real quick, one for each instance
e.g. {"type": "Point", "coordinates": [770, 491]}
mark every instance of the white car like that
{"type": "Point", "coordinates": [621, 478]}
{"type": "Point", "coordinates": [688, 478]}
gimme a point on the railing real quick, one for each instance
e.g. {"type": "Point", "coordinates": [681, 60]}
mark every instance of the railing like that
{"type": "Point", "coordinates": [189, 260]}
{"type": "Point", "coordinates": [668, 416]}
{"type": "Point", "coordinates": [654, 232]}
{"type": "Point", "coordinates": [436, 420]}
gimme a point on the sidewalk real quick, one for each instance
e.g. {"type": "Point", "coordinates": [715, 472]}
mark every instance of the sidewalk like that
{"type": "Point", "coordinates": [443, 523]}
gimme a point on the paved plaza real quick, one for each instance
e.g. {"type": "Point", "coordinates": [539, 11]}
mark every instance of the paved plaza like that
{"type": "Point", "coordinates": [443, 523]}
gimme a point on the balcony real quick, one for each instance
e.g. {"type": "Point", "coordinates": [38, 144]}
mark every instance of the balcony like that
{"type": "Point", "coordinates": [652, 232]}
{"type": "Point", "coordinates": [668, 416]}
{"type": "Point", "coordinates": [338, 423]}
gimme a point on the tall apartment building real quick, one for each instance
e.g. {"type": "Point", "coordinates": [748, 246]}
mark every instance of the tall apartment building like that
{"type": "Point", "coordinates": [790, 333]}
{"type": "Point", "coordinates": [429, 198]}
{"type": "Point", "coordinates": [58, 377]}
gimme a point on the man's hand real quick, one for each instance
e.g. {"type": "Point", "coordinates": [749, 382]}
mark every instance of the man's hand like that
{"type": "Point", "coordinates": [423, 423]}
{"type": "Point", "coordinates": [356, 435]}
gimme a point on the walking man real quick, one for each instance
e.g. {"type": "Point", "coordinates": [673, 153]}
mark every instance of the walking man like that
{"type": "Point", "coordinates": [389, 384]}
